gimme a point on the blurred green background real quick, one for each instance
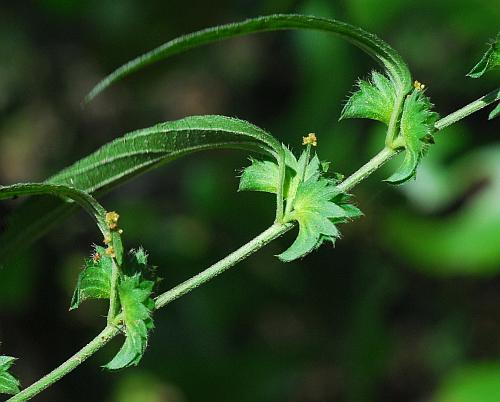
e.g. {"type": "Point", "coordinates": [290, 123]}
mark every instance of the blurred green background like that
{"type": "Point", "coordinates": [405, 308]}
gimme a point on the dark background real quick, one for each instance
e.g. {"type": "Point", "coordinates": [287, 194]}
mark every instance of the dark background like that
{"type": "Point", "coordinates": [405, 308]}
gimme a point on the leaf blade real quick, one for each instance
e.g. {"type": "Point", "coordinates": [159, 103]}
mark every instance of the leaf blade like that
{"type": "Point", "coordinates": [366, 41]}
{"type": "Point", "coordinates": [131, 155]}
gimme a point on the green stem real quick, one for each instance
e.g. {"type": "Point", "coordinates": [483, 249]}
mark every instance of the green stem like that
{"type": "Point", "coordinates": [243, 252]}
{"type": "Point", "coordinates": [392, 129]}
{"type": "Point", "coordinates": [275, 231]}
{"type": "Point", "coordinates": [472, 107]}
{"type": "Point", "coordinates": [69, 365]}
{"type": "Point", "coordinates": [367, 169]}
{"type": "Point", "coordinates": [279, 193]}
{"type": "Point", "coordinates": [113, 293]}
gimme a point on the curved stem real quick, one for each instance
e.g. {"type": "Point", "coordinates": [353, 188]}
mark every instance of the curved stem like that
{"type": "Point", "coordinates": [69, 365]}
{"type": "Point", "coordinates": [467, 110]}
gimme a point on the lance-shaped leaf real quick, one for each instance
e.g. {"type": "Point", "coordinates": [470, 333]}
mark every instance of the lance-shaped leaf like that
{"type": "Point", "coordinates": [366, 41]}
{"type": "Point", "coordinates": [94, 281]}
{"type": "Point", "coordinates": [489, 61]}
{"type": "Point", "coordinates": [372, 100]}
{"type": "Point", "coordinates": [137, 306]}
{"type": "Point", "coordinates": [129, 156]}
{"type": "Point", "coordinates": [416, 128]}
{"type": "Point", "coordinates": [8, 383]}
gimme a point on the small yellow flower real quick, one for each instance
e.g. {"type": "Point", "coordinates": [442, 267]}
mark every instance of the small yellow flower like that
{"type": "Point", "coordinates": [96, 257]}
{"type": "Point", "coordinates": [107, 240]}
{"type": "Point", "coordinates": [112, 219]}
{"type": "Point", "coordinates": [418, 85]}
{"type": "Point", "coordinates": [310, 140]}
{"type": "Point", "coordinates": [110, 251]}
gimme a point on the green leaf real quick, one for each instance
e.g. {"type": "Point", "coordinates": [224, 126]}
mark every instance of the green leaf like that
{"type": "Point", "coordinates": [476, 382]}
{"type": "Point", "coordinates": [137, 305]}
{"type": "Point", "coordinates": [129, 156]}
{"type": "Point", "coordinates": [489, 61]}
{"type": "Point", "coordinates": [368, 42]}
{"type": "Point", "coordinates": [374, 100]}
{"type": "Point", "coordinates": [495, 112]}
{"type": "Point", "coordinates": [8, 383]}
{"type": "Point", "coordinates": [94, 282]}
{"type": "Point", "coordinates": [317, 207]}
{"type": "Point", "coordinates": [416, 128]}
{"type": "Point", "coordinates": [317, 204]}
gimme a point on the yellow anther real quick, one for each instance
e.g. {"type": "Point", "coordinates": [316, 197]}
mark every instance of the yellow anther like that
{"type": "Point", "coordinates": [110, 251]}
{"type": "Point", "coordinates": [107, 240]}
{"type": "Point", "coordinates": [96, 257]}
{"type": "Point", "coordinates": [418, 85]}
{"type": "Point", "coordinates": [310, 140]}
{"type": "Point", "coordinates": [112, 219]}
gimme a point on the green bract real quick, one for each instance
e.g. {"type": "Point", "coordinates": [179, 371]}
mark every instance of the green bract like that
{"type": "Point", "coordinates": [134, 293]}
{"type": "Point", "coordinates": [312, 200]}
{"type": "Point", "coordinates": [416, 128]}
{"type": "Point", "coordinates": [94, 282]}
{"type": "Point", "coordinates": [8, 383]}
{"type": "Point", "coordinates": [375, 99]}
{"type": "Point", "coordinates": [137, 306]}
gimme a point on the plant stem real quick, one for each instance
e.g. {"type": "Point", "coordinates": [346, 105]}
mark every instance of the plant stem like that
{"type": "Point", "coordinates": [468, 109]}
{"type": "Point", "coordinates": [367, 169]}
{"type": "Point", "coordinates": [273, 232]}
{"type": "Point", "coordinates": [243, 252]}
{"type": "Point", "coordinates": [113, 294]}
{"type": "Point", "coordinates": [69, 365]}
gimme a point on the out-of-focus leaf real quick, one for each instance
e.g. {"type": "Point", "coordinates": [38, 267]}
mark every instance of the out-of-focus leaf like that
{"type": "Point", "coordinates": [489, 61]}
{"type": "Point", "coordinates": [478, 383]}
{"type": "Point", "coordinates": [463, 241]}
{"type": "Point", "coordinates": [495, 112]}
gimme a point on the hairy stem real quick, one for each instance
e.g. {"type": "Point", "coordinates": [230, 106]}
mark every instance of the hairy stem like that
{"type": "Point", "coordinates": [113, 294]}
{"type": "Point", "coordinates": [243, 252]}
{"type": "Point", "coordinates": [279, 193]}
{"type": "Point", "coordinates": [367, 169]}
{"type": "Point", "coordinates": [273, 232]}
{"type": "Point", "coordinates": [468, 109]}
{"type": "Point", "coordinates": [69, 365]}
